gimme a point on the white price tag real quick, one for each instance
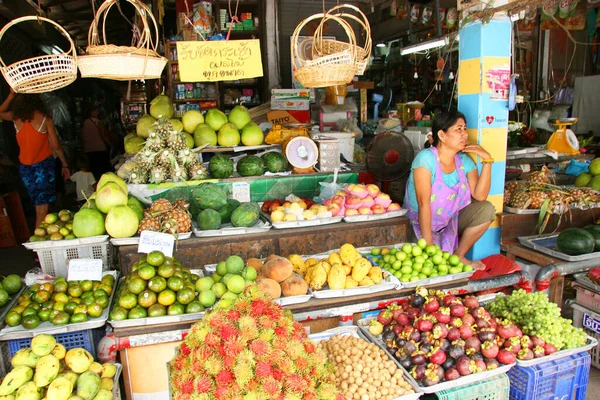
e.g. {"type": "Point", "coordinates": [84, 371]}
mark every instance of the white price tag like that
{"type": "Point", "coordinates": [81, 269]}
{"type": "Point", "coordinates": [151, 241]}
{"type": "Point", "coordinates": [240, 191]}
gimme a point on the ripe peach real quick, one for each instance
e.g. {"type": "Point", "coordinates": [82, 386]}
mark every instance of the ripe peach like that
{"type": "Point", "coordinates": [373, 190]}
{"type": "Point", "coordinates": [394, 207]}
{"type": "Point", "coordinates": [378, 209]}
{"type": "Point", "coordinates": [368, 201]}
{"type": "Point", "coordinates": [365, 210]}
{"type": "Point", "coordinates": [351, 211]}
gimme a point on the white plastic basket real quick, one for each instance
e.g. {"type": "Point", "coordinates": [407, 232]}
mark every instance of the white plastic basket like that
{"type": "Point", "coordinates": [54, 255]}
{"type": "Point", "coordinates": [578, 315]}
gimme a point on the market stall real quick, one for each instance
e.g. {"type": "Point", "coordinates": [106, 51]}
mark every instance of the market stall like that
{"type": "Point", "coordinates": [276, 250]}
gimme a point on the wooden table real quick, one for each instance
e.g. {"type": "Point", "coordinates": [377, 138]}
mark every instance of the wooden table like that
{"type": "Point", "coordinates": [194, 253]}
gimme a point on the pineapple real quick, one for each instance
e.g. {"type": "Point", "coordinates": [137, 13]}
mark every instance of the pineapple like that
{"type": "Point", "coordinates": [176, 221]}
{"type": "Point", "coordinates": [177, 172]}
{"type": "Point", "coordinates": [197, 172]}
{"type": "Point", "coordinates": [161, 205]}
{"type": "Point", "coordinates": [509, 189]}
{"type": "Point", "coordinates": [157, 175]}
{"type": "Point", "coordinates": [541, 178]}
{"type": "Point", "coordinates": [149, 223]}
{"type": "Point", "coordinates": [164, 158]}
{"type": "Point", "coordinates": [176, 141]}
{"type": "Point", "coordinates": [138, 176]}
{"type": "Point", "coordinates": [155, 142]}
{"type": "Point", "coordinates": [181, 204]}
{"type": "Point", "coordinates": [146, 158]}
{"type": "Point", "coordinates": [538, 198]}
{"type": "Point", "coordinates": [186, 157]}
{"type": "Point", "coordinates": [520, 199]}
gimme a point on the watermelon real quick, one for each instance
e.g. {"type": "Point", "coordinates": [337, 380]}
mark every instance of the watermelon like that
{"type": "Point", "coordinates": [595, 231]}
{"type": "Point", "coordinates": [575, 241]}
{"type": "Point", "coordinates": [209, 195]}
{"type": "Point", "coordinates": [275, 162]}
{"type": "Point", "coordinates": [220, 166]}
{"type": "Point", "coordinates": [209, 220]}
{"type": "Point", "coordinates": [246, 215]}
{"type": "Point", "coordinates": [250, 166]}
{"type": "Point", "coordinates": [227, 209]}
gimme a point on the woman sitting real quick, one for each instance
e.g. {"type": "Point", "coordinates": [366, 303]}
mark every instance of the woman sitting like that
{"type": "Point", "coordinates": [445, 195]}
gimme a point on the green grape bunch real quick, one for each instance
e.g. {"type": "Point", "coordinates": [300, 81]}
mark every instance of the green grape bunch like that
{"type": "Point", "coordinates": [537, 316]}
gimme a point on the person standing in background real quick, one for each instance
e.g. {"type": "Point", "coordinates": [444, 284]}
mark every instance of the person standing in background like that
{"type": "Point", "coordinates": [84, 180]}
{"type": "Point", "coordinates": [37, 139]}
{"type": "Point", "coordinates": [96, 142]}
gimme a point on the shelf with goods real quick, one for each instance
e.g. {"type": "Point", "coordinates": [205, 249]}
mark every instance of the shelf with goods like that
{"type": "Point", "coordinates": [250, 92]}
{"type": "Point", "coordinates": [188, 95]}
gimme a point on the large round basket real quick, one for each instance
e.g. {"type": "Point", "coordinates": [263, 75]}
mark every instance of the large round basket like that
{"type": "Point", "coordinates": [44, 73]}
{"type": "Point", "coordinates": [324, 46]}
{"type": "Point", "coordinates": [335, 68]}
{"type": "Point", "coordinates": [122, 63]}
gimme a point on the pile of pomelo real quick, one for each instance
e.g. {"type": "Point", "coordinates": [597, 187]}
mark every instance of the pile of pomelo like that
{"type": "Point", "coordinates": [412, 263]}
{"type": "Point", "coordinates": [590, 178]}
{"type": "Point", "coordinates": [156, 286]}
{"type": "Point", "coordinates": [60, 302]}
{"type": "Point", "coordinates": [226, 283]}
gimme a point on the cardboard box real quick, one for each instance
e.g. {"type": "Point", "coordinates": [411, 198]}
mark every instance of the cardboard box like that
{"type": "Point", "coordinates": [290, 93]}
{"type": "Point", "coordinates": [190, 35]}
{"type": "Point", "coordinates": [182, 23]}
{"type": "Point", "coordinates": [288, 117]}
{"type": "Point", "coordinates": [290, 103]}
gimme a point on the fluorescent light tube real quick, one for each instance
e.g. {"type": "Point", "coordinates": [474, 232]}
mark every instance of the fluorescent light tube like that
{"type": "Point", "coordinates": [428, 45]}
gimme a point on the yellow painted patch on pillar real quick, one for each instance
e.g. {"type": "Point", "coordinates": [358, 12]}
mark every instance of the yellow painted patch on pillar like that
{"type": "Point", "coordinates": [494, 141]}
{"type": "Point", "coordinates": [498, 201]}
{"type": "Point", "coordinates": [473, 139]}
{"type": "Point", "coordinates": [470, 76]}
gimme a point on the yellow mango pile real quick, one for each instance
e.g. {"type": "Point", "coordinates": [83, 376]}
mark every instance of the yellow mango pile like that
{"type": "Point", "coordinates": [340, 270]}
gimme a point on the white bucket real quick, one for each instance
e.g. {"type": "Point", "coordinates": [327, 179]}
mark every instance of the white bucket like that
{"type": "Point", "coordinates": [345, 140]}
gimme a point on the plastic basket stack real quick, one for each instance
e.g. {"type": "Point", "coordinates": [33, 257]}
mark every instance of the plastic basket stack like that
{"type": "Point", "coordinates": [586, 312]}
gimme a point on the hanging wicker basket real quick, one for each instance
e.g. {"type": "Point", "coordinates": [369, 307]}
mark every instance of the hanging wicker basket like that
{"type": "Point", "coordinates": [335, 68]}
{"type": "Point", "coordinates": [44, 73]}
{"type": "Point", "coordinates": [122, 63]}
{"type": "Point", "coordinates": [329, 46]}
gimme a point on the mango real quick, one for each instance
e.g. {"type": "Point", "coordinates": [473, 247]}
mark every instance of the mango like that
{"type": "Point", "coordinates": [29, 391]}
{"type": "Point", "coordinates": [78, 360]}
{"type": "Point", "coordinates": [104, 394]}
{"type": "Point", "coordinates": [60, 389]}
{"type": "Point", "coordinates": [109, 370]}
{"type": "Point", "coordinates": [107, 383]}
{"type": "Point", "coordinates": [59, 351]}
{"type": "Point", "coordinates": [96, 367]}
{"type": "Point", "coordinates": [337, 277]}
{"type": "Point", "coordinates": [26, 357]}
{"type": "Point", "coordinates": [46, 370]}
{"type": "Point", "coordinates": [70, 375]}
{"type": "Point", "coordinates": [43, 344]}
{"type": "Point", "coordinates": [88, 385]}
{"type": "Point", "coordinates": [15, 379]}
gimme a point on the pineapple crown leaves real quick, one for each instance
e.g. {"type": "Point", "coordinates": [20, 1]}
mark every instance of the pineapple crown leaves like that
{"type": "Point", "coordinates": [251, 368]}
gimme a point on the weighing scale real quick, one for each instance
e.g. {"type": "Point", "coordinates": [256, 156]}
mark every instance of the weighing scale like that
{"type": "Point", "coordinates": [302, 153]}
{"type": "Point", "coordinates": [563, 140]}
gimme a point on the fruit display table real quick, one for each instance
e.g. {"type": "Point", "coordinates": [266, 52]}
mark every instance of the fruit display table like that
{"type": "Point", "coordinates": [197, 252]}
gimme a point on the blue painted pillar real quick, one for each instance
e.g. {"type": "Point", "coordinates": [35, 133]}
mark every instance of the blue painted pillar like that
{"type": "Point", "coordinates": [483, 79]}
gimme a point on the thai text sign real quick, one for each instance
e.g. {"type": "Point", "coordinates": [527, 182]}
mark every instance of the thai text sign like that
{"type": "Point", "coordinates": [223, 60]}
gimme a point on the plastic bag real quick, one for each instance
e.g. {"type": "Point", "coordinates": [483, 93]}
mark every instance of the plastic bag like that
{"type": "Point", "coordinates": [577, 167]}
{"type": "Point", "coordinates": [350, 125]}
{"type": "Point", "coordinates": [328, 189]}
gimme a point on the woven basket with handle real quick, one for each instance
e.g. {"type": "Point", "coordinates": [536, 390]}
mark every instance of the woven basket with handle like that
{"type": "Point", "coordinates": [44, 73]}
{"type": "Point", "coordinates": [329, 46]}
{"type": "Point", "coordinates": [335, 68]}
{"type": "Point", "coordinates": [123, 63]}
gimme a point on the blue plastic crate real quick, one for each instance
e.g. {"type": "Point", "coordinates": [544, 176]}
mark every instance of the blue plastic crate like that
{"type": "Point", "coordinates": [71, 340]}
{"type": "Point", "coordinates": [494, 388]}
{"type": "Point", "coordinates": [565, 378]}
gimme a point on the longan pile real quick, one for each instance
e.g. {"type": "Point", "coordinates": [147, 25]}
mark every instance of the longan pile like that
{"type": "Point", "coordinates": [363, 371]}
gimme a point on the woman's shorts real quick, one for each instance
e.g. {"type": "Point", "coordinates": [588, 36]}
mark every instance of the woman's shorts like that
{"type": "Point", "coordinates": [40, 181]}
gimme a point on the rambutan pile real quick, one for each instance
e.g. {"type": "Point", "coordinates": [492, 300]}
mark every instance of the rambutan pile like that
{"type": "Point", "coordinates": [253, 350]}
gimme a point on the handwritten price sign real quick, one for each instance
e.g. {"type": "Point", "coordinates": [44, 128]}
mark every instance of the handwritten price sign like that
{"type": "Point", "coordinates": [151, 241]}
{"type": "Point", "coordinates": [223, 60]}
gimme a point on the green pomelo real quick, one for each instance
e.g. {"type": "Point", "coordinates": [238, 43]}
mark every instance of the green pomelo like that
{"type": "Point", "coordinates": [161, 107]}
{"type": "Point", "coordinates": [138, 210]}
{"type": "Point", "coordinates": [143, 125]}
{"type": "Point", "coordinates": [121, 222]}
{"type": "Point", "coordinates": [240, 117]}
{"type": "Point", "coordinates": [189, 140]}
{"type": "Point", "coordinates": [88, 222]}
{"type": "Point", "coordinates": [204, 134]}
{"type": "Point", "coordinates": [133, 145]}
{"type": "Point", "coordinates": [176, 124]}
{"type": "Point", "coordinates": [109, 196]}
{"type": "Point", "coordinates": [134, 200]}
{"type": "Point", "coordinates": [228, 135]}
{"type": "Point", "coordinates": [595, 183]}
{"type": "Point", "coordinates": [583, 179]}
{"type": "Point", "coordinates": [215, 118]}
{"type": "Point", "coordinates": [112, 177]}
{"type": "Point", "coordinates": [191, 119]}
{"type": "Point", "coordinates": [252, 135]}
{"type": "Point", "coordinates": [595, 167]}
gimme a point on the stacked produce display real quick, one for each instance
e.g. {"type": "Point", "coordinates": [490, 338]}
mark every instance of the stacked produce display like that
{"type": "Point", "coordinates": [359, 199]}
{"type": "Point", "coordinates": [60, 302]}
{"type": "Point", "coordinates": [253, 349]}
{"type": "Point", "coordinates": [47, 370]}
{"type": "Point", "coordinates": [167, 217]}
